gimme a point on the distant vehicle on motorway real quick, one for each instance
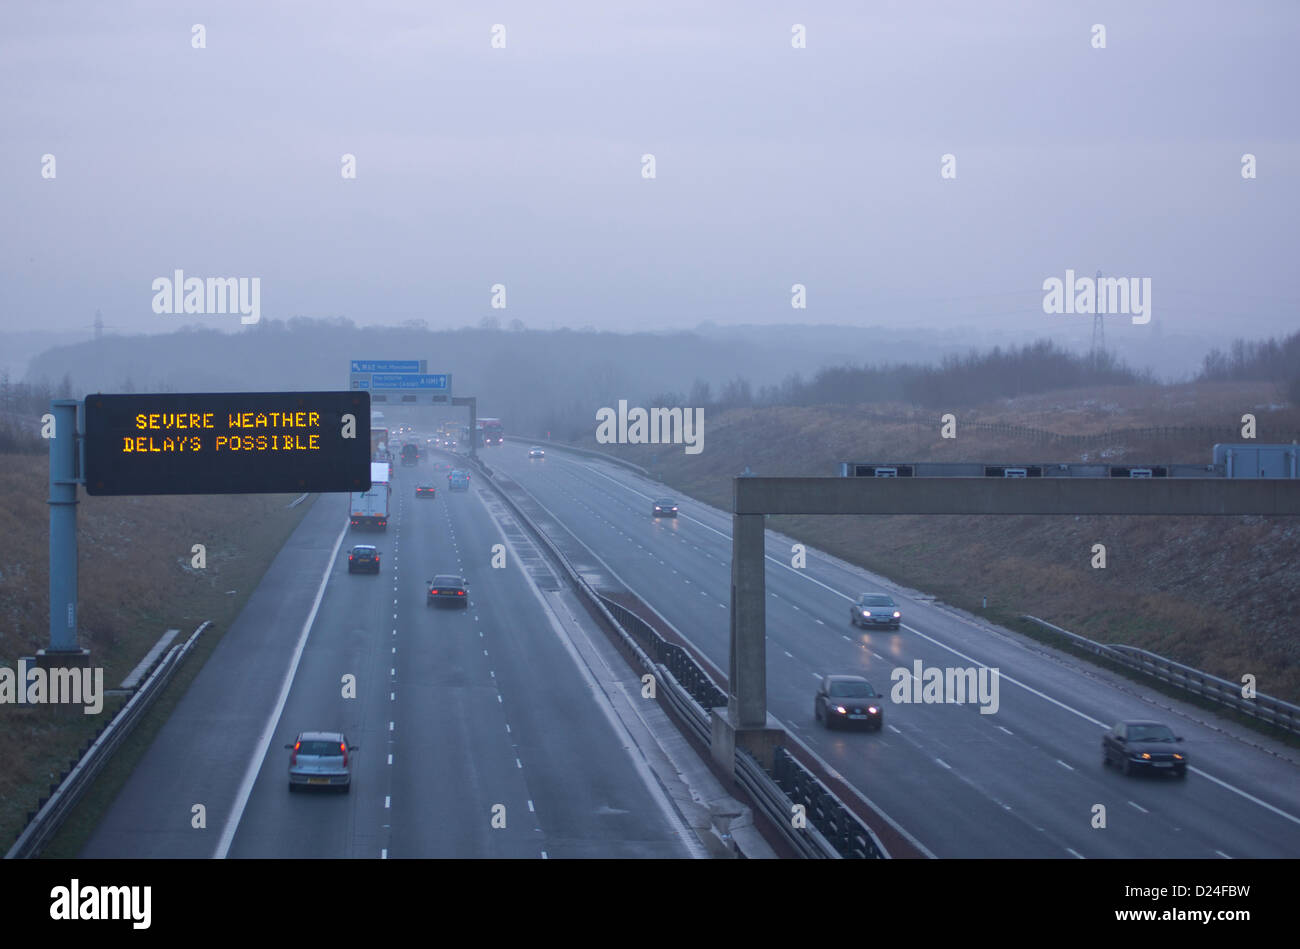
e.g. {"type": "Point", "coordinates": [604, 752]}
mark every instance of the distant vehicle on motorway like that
{"type": "Point", "coordinates": [875, 609]}
{"type": "Point", "coordinates": [664, 507]}
{"type": "Point", "coordinates": [363, 558]}
{"type": "Point", "coordinates": [536, 452]}
{"type": "Point", "coordinates": [458, 480]}
{"type": "Point", "coordinates": [370, 508]}
{"type": "Point", "coordinates": [849, 699]}
{"type": "Point", "coordinates": [1143, 746]}
{"type": "Point", "coordinates": [320, 759]}
{"type": "Point", "coordinates": [410, 454]}
{"type": "Point", "coordinates": [426, 491]}
{"type": "Point", "coordinates": [448, 588]}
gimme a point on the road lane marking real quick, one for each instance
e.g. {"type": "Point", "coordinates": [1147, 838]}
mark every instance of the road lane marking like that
{"type": "Point", "coordinates": [273, 720]}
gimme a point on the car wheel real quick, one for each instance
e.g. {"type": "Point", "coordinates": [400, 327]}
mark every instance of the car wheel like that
{"type": "Point", "coordinates": [292, 787]}
{"type": "Point", "coordinates": [879, 725]}
{"type": "Point", "coordinates": [1105, 758]}
{"type": "Point", "coordinates": [830, 723]}
{"type": "Point", "coordinates": [1181, 773]}
{"type": "Point", "coordinates": [347, 788]}
{"type": "Point", "coordinates": [1127, 767]}
{"type": "Point", "coordinates": [853, 618]}
{"type": "Point", "coordinates": [817, 711]}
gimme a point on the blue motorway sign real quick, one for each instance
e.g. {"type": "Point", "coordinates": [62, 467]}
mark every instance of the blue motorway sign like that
{"type": "Point", "coordinates": [435, 381]}
{"type": "Point", "coordinates": [387, 365]}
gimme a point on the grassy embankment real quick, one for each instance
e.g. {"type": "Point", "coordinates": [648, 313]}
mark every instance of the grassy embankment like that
{"type": "Point", "coordinates": [135, 581]}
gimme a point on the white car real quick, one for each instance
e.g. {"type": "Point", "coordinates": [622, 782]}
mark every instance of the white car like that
{"type": "Point", "coordinates": [320, 759]}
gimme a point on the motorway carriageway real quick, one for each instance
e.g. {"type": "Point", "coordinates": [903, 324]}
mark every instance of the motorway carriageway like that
{"type": "Point", "coordinates": [1019, 783]}
{"type": "Point", "coordinates": [456, 711]}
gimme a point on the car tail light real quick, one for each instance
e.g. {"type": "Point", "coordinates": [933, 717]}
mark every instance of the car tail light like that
{"type": "Point", "coordinates": [349, 556]}
{"type": "Point", "coordinates": [460, 592]}
{"type": "Point", "coordinates": [433, 591]}
{"type": "Point", "coordinates": [293, 757]}
{"type": "Point", "coordinates": [344, 748]}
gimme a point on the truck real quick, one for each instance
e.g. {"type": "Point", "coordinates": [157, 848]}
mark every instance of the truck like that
{"type": "Point", "coordinates": [490, 431]}
{"type": "Point", "coordinates": [379, 444]}
{"type": "Point", "coordinates": [370, 508]}
{"type": "Point", "coordinates": [410, 454]}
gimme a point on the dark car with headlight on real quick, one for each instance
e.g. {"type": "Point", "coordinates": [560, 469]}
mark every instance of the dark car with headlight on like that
{"type": "Point", "coordinates": [875, 609]}
{"type": "Point", "coordinates": [850, 700]}
{"type": "Point", "coordinates": [664, 507]}
{"type": "Point", "coordinates": [537, 451]}
{"type": "Point", "coordinates": [1144, 746]}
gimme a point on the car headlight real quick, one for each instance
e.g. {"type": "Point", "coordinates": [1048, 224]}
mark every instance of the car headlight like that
{"type": "Point", "coordinates": [1145, 756]}
{"type": "Point", "coordinates": [841, 709]}
{"type": "Point", "coordinates": [872, 709]}
{"type": "Point", "coordinates": [866, 612]}
{"type": "Point", "coordinates": [1177, 756]}
{"type": "Point", "coordinates": [897, 614]}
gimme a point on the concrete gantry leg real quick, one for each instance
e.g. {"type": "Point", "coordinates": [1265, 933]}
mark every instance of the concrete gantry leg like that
{"type": "Point", "coordinates": [746, 722]}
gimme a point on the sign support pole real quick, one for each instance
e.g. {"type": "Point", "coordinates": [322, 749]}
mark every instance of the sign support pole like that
{"type": "Point", "coordinates": [472, 402]}
{"type": "Point", "coordinates": [63, 650]}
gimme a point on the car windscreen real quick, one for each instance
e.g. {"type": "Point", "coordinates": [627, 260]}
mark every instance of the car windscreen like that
{"type": "Point", "coordinates": [363, 551]}
{"type": "Point", "coordinates": [446, 581]}
{"type": "Point", "coordinates": [852, 690]}
{"type": "Point", "coordinates": [1150, 733]}
{"type": "Point", "coordinates": [322, 748]}
{"type": "Point", "coordinates": [872, 600]}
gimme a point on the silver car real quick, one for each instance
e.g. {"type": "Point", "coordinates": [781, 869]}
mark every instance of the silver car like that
{"type": "Point", "coordinates": [320, 759]}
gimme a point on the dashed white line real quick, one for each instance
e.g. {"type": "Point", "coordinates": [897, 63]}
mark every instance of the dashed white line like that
{"type": "Point", "coordinates": [1139, 807]}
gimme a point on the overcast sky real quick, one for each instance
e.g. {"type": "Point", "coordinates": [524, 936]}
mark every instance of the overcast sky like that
{"type": "Point", "coordinates": [774, 165]}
